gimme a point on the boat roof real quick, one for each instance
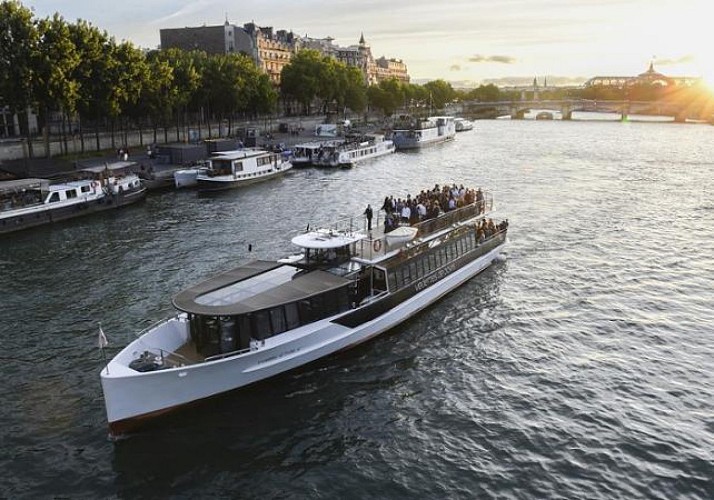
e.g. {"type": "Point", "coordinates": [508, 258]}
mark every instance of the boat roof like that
{"type": "Point", "coordinates": [255, 286]}
{"type": "Point", "coordinates": [113, 167]}
{"type": "Point", "coordinates": [326, 238]}
{"type": "Point", "coordinates": [318, 144]}
{"type": "Point", "coordinates": [20, 184]}
{"type": "Point", "coordinates": [238, 154]}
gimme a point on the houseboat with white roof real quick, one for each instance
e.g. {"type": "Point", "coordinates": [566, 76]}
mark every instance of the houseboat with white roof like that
{"type": "Point", "coordinates": [424, 132]}
{"type": "Point", "coordinates": [231, 169]}
{"type": "Point", "coordinates": [357, 150]}
{"type": "Point", "coordinates": [28, 203]}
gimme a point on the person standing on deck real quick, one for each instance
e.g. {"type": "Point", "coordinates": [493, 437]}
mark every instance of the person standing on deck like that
{"type": "Point", "coordinates": [368, 213]}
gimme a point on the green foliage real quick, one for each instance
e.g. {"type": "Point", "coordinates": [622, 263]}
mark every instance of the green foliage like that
{"type": "Point", "coordinates": [440, 93]}
{"type": "Point", "coordinates": [56, 61]}
{"type": "Point", "coordinates": [19, 38]}
{"type": "Point", "coordinates": [300, 80]}
{"type": "Point", "coordinates": [75, 68]}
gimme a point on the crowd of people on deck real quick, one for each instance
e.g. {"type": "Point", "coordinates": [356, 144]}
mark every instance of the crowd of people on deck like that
{"type": "Point", "coordinates": [485, 228]}
{"type": "Point", "coordinates": [429, 204]}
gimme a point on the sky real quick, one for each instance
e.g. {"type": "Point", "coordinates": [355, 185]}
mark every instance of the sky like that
{"type": "Point", "coordinates": [466, 42]}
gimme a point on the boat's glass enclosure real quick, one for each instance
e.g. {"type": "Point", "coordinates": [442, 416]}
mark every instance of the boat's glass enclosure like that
{"type": "Point", "coordinates": [214, 335]}
{"type": "Point", "coordinates": [432, 261]}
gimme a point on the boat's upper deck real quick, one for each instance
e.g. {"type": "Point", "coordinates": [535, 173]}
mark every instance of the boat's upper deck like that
{"type": "Point", "coordinates": [255, 286]}
{"type": "Point", "coordinates": [382, 241]}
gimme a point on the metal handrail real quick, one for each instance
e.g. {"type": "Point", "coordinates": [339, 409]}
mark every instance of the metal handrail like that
{"type": "Point", "coordinates": [228, 354]}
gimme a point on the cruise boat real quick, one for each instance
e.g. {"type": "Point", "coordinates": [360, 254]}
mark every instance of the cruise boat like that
{"type": "Point", "coordinates": [28, 203]}
{"type": "Point", "coordinates": [463, 125]}
{"type": "Point", "coordinates": [344, 286]}
{"type": "Point", "coordinates": [231, 169]}
{"type": "Point", "coordinates": [433, 130]}
{"type": "Point", "coordinates": [311, 153]}
{"type": "Point", "coordinates": [357, 150]}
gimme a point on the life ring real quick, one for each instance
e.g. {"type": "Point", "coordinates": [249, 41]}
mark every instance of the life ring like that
{"type": "Point", "coordinates": [95, 184]}
{"type": "Point", "coordinates": [377, 246]}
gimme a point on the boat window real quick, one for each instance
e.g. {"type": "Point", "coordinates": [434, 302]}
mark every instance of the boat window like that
{"type": "Point", "coordinates": [330, 301]}
{"type": "Point", "coordinates": [393, 279]}
{"type": "Point", "coordinates": [70, 193]}
{"type": "Point", "coordinates": [405, 275]}
{"type": "Point", "coordinates": [277, 319]}
{"type": "Point", "coordinates": [433, 265]}
{"type": "Point", "coordinates": [245, 331]}
{"type": "Point", "coordinates": [378, 280]}
{"type": "Point", "coordinates": [413, 270]}
{"type": "Point", "coordinates": [261, 325]}
{"type": "Point", "coordinates": [343, 300]}
{"type": "Point", "coordinates": [85, 189]}
{"type": "Point", "coordinates": [307, 314]}
{"type": "Point", "coordinates": [238, 166]}
{"type": "Point", "coordinates": [292, 316]}
{"type": "Point", "coordinates": [54, 197]}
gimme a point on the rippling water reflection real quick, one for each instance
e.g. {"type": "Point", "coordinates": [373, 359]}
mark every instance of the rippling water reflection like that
{"type": "Point", "coordinates": [578, 366]}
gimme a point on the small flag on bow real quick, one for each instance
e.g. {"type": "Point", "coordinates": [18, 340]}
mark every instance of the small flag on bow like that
{"type": "Point", "coordinates": [103, 342]}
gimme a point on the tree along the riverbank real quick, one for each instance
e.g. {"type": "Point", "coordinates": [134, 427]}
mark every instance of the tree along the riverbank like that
{"type": "Point", "coordinates": [93, 82]}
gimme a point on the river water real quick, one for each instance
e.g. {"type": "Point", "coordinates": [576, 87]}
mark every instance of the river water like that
{"type": "Point", "coordinates": [580, 365]}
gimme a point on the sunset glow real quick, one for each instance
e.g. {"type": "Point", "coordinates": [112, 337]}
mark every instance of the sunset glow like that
{"type": "Point", "coordinates": [462, 41]}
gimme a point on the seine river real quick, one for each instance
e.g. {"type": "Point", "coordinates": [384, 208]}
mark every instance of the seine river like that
{"type": "Point", "coordinates": [580, 365]}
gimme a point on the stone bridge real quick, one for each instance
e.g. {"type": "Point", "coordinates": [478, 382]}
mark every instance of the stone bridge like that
{"type": "Point", "coordinates": [517, 109]}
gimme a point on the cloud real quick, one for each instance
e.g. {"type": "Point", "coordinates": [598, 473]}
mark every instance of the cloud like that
{"type": "Point", "coordinates": [673, 62]}
{"type": "Point", "coordinates": [455, 67]}
{"type": "Point", "coordinates": [497, 59]}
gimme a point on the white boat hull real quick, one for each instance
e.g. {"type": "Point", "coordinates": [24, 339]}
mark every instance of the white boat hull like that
{"type": "Point", "coordinates": [186, 178]}
{"type": "Point", "coordinates": [131, 396]}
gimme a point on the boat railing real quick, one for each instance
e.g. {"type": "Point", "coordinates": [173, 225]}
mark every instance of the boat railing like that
{"type": "Point", "coordinates": [228, 354]}
{"type": "Point", "coordinates": [377, 243]}
{"type": "Point", "coordinates": [164, 354]}
{"type": "Point", "coordinates": [445, 220]}
{"type": "Point", "coordinates": [345, 225]}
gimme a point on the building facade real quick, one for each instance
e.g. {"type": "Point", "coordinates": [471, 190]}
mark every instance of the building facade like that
{"type": "Point", "coordinates": [223, 39]}
{"type": "Point", "coordinates": [649, 77]}
{"type": "Point", "coordinates": [272, 50]}
{"type": "Point", "coordinates": [391, 68]}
